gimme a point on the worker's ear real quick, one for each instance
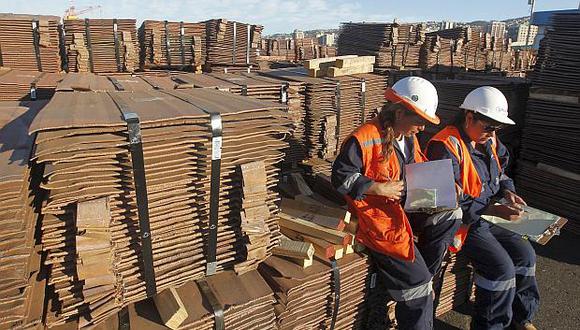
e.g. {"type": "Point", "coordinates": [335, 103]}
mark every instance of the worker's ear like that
{"type": "Point", "coordinates": [469, 119]}
{"type": "Point", "coordinates": [399, 113]}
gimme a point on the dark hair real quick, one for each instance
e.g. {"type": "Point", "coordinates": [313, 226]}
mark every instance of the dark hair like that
{"type": "Point", "coordinates": [459, 119]}
{"type": "Point", "coordinates": [387, 120]}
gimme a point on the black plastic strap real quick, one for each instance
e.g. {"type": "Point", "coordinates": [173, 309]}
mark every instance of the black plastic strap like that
{"type": "Point", "coordinates": [116, 83]}
{"type": "Point", "coordinates": [336, 282]}
{"type": "Point", "coordinates": [245, 90]}
{"type": "Point", "coordinates": [167, 52]}
{"type": "Point", "coordinates": [216, 162]}
{"type": "Point", "coordinates": [363, 100]}
{"type": "Point", "coordinates": [137, 160]}
{"type": "Point", "coordinates": [181, 48]}
{"type": "Point", "coordinates": [116, 37]}
{"type": "Point", "coordinates": [124, 320]}
{"type": "Point", "coordinates": [89, 43]}
{"type": "Point", "coordinates": [234, 43]}
{"type": "Point", "coordinates": [337, 97]}
{"type": "Point", "coordinates": [218, 310]}
{"type": "Point", "coordinates": [36, 41]}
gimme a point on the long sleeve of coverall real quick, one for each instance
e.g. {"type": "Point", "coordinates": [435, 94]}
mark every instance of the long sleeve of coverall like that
{"type": "Point", "coordinates": [472, 207]}
{"type": "Point", "coordinates": [347, 171]}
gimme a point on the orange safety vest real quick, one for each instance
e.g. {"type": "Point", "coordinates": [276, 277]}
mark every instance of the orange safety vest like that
{"type": "Point", "coordinates": [383, 225]}
{"type": "Point", "coordinates": [470, 180]}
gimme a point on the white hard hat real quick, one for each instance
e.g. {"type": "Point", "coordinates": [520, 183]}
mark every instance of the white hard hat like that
{"type": "Point", "coordinates": [416, 94]}
{"type": "Point", "coordinates": [490, 102]}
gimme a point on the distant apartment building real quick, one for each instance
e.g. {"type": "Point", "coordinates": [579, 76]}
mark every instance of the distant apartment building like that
{"type": "Point", "coordinates": [446, 25]}
{"type": "Point", "coordinates": [522, 36]}
{"type": "Point", "coordinates": [298, 34]}
{"type": "Point", "coordinates": [497, 29]}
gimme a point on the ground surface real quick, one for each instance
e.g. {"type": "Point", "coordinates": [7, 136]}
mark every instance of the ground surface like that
{"type": "Point", "coordinates": [558, 275]}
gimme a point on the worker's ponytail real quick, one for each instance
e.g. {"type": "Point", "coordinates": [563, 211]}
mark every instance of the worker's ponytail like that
{"type": "Point", "coordinates": [387, 120]}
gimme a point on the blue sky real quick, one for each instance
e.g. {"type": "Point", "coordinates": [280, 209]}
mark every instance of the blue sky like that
{"type": "Point", "coordinates": [286, 15]}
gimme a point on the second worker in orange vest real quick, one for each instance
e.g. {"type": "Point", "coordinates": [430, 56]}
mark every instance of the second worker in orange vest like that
{"type": "Point", "coordinates": [369, 171]}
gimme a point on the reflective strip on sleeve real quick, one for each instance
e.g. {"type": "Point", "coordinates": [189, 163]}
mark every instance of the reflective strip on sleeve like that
{"type": "Point", "coordinates": [420, 291]}
{"type": "Point", "coordinates": [489, 285]}
{"type": "Point", "coordinates": [346, 186]}
{"type": "Point", "coordinates": [526, 271]}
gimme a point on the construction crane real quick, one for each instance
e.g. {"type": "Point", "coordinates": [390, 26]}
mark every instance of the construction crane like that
{"type": "Point", "coordinates": [72, 13]}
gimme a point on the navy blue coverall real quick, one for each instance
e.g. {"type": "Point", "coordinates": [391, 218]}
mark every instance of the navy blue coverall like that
{"type": "Point", "coordinates": [504, 262]}
{"type": "Point", "coordinates": [407, 282]}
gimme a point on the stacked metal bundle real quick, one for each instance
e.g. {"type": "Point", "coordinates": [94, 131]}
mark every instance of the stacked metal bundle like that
{"type": "Point", "coordinates": [441, 54]}
{"type": "Point", "coordinates": [453, 284]}
{"type": "Point", "coordinates": [322, 296]}
{"type": "Point", "coordinates": [172, 45]}
{"type": "Point", "coordinates": [307, 49]}
{"type": "Point", "coordinates": [21, 282]}
{"type": "Point", "coordinates": [246, 300]}
{"type": "Point", "coordinates": [30, 42]}
{"type": "Point", "coordinates": [392, 44]}
{"type": "Point", "coordinates": [473, 45]}
{"type": "Point", "coordinates": [101, 45]}
{"type": "Point", "coordinates": [232, 45]}
{"type": "Point", "coordinates": [524, 59]}
{"type": "Point", "coordinates": [26, 85]}
{"type": "Point", "coordinates": [134, 208]}
{"type": "Point", "coordinates": [280, 49]}
{"type": "Point", "coordinates": [548, 176]}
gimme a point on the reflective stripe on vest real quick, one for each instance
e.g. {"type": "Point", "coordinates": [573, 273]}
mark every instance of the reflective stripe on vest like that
{"type": "Point", "coordinates": [526, 271]}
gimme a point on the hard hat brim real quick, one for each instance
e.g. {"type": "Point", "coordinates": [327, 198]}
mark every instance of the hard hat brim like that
{"type": "Point", "coordinates": [392, 96]}
{"type": "Point", "coordinates": [500, 119]}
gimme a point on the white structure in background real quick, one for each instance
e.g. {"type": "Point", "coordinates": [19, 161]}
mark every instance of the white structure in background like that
{"type": "Point", "coordinates": [298, 34]}
{"type": "Point", "coordinates": [446, 25]}
{"type": "Point", "coordinates": [522, 35]}
{"type": "Point", "coordinates": [497, 29]}
{"type": "Point", "coordinates": [326, 39]}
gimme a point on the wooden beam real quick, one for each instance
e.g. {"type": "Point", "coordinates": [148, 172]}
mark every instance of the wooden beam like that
{"type": "Point", "coordinates": [322, 249]}
{"type": "Point", "coordinates": [315, 212]}
{"type": "Point", "coordinates": [315, 63]}
{"type": "Point", "coordinates": [338, 72]}
{"type": "Point", "coordinates": [294, 249]}
{"type": "Point", "coordinates": [356, 61]}
{"type": "Point", "coordinates": [306, 227]}
{"type": "Point", "coordinates": [170, 308]}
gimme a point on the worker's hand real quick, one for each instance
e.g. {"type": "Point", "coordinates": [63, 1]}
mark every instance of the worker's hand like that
{"type": "Point", "coordinates": [507, 212]}
{"type": "Point", "coordinates": [514, 199]}
{"type": "Point", "coordinates": [391, 189]}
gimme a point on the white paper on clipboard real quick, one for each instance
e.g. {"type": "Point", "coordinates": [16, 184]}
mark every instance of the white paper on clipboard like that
{"type": "Point", "coordinates": [536, 225]}
{"type": "Point", "coordinates": [430, 186]}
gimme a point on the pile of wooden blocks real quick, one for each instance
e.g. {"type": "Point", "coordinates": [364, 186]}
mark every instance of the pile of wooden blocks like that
{"type": "Point", "coordinates": [339, 66]}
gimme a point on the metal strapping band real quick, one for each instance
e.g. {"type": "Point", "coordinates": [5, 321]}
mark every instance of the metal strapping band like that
{"type": "Point", "coordinates": [116, 37]}
{"type": "Point", "coordinates": [89, 43]}
{"type": "Point", "coordinates": [138, 164]}
{"type": "Point", "coordinates": [363, 101]}
{"type": "Point", "coordinates": [167, 45]}
{"type": "Point", "coordinates": [284, 93]}
{"type": "Point", "coordinates": [245, 90]}
{"type": "Point", "coordinates": [36, 41]}
{"type": "Point", "coordinates": [218, 310]}
{"type": "Point", "coordinates": [124, 320]}
{"type": "Point", "coordinates": [234, 43]}
{"type": "Point", "coordinates": [181, 48]}
{"type": "Point", "coordinates": [116, 83]}
{"type": "Point", "coordinates": [336, 281]}
{"type": "Point", "coordinates": [249, 44]}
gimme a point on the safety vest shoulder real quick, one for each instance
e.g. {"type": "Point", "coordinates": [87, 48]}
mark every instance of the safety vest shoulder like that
{"type": "Point", "coordinates": [470, 180]}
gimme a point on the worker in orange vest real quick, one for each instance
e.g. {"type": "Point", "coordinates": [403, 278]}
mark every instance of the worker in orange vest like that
{"type": "Point", "coordinates": [505, 283]}
{"type": "Point", "coordinates": [369, 171]}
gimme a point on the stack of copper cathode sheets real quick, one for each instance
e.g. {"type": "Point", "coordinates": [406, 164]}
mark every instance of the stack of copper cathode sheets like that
{"type": "Point", "coordinates": [168, 45]}
{"type": "Point", "coordinates": [26, 85]}
{"type": "Point", "coordinates": [101, 45]}
{"type": "Point", "coordinates": [246, 299]}
{"type": "Point", "coordinates": [548, 170]}
{"type": "Point", "coordinates": [232, 45]}
{"type": "Point", "coordinates": [21, 282]}
{"type": "Point", "coordinates": [283, 49]}
{"type": "Point", "coordinates": [30, 42]}
{"type": "Point", "coordinates": [453, 284]}
{"type": "Point", "coordinates": [83, 145]}
{"type": "Point", "coordinates": [306, 298]}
